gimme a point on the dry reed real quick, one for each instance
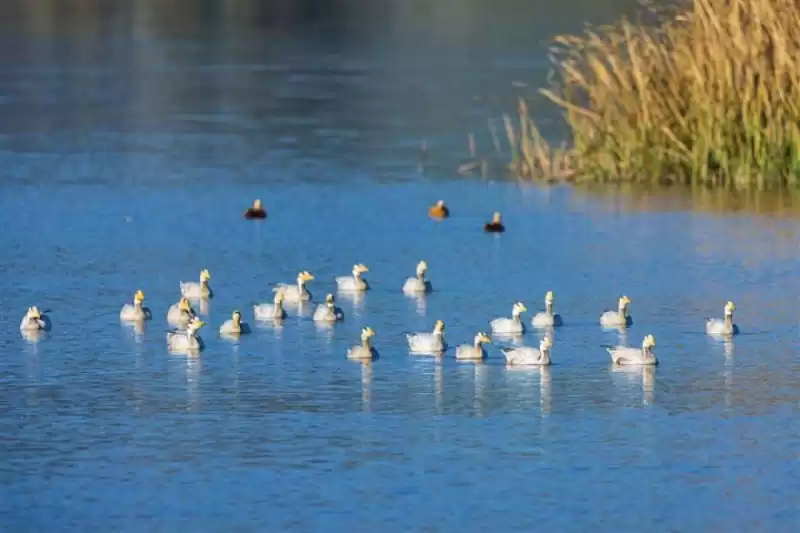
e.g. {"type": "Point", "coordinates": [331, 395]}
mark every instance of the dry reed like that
{"type": "Point", "coordinates": [708, 95]}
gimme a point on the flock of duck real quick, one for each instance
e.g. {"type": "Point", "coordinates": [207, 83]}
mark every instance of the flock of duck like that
{"type": "Point", "coordinates": [185, 336]}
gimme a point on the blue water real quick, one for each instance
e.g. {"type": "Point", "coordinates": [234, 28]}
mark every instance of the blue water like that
{"type": "Point", "coordinates": [106, 189]}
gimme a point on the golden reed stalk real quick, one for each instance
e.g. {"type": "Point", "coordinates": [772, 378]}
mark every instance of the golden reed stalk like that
{"type": "Point", "coordinates": [707, 95]}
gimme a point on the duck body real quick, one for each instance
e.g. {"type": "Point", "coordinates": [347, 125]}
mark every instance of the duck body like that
{"type": "Point", "coordinates": [234, 326]}
{"type": "Point", "coordinates": [297, 292]}
{"type": "Point", "coordinates": [725, 326]}
{"type": "Point", "coordinates": [135, 312]}
{"type": "Point", "coordinates": [547, 318]}
{"type": "Point", "coordinates": [439, 210]}
{"type": "Point", "coordinates": [364, 351]}
{"type": "Point", "coordinates": [528, 355]}
{"type": "Point", "coordinates": [619, 318]}
{"type": "Point", "coordinates": [716, 326]}
{"type": "Point", "coordinates": [475, 351]}
{"type": "Point", "coordinates": [428, 343]}
{"type": "Point", "coordinates": [186, 340]}
{"type": "Point", "coordinates": [328, 312]}
{"type": "Point", "coordinates": [494, 227]}
{"type": "Point", "coordinates": [34, 320]}
{"type": "Point", "coordinates": [510, 326]}
{"type": "Point", "coordinates": [194, 290]}
{"type": "Point", "coordinates": [273, 311]}
{"type": "Point", "coordinates": [626, 355]}
{"type": "Point", "coordinates": [180, 314]}
{"type": "Point", "coordinates": [417, 286]}
{"type": "Point", "coordinates": [354, 282]}
{"type": "Point", "coordinates": [256, 211]}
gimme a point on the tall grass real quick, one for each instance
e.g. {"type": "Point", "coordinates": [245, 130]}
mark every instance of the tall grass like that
{"type": "Point", "coordinates": [708, 94]}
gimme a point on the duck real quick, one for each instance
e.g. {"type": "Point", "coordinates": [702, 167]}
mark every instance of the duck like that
{"type": "Point", "coordinates": [510, 326]}
{"type": "Point", "coordinates": [474, 352]}
{"type": "Point", "coordinates": [328, 311]}
{"type": "Point", "coordinates": [365, 350]}
{"type": "Point", "coordinates": [527, 355]}
{"type": "Point", "coordinates": [418, 284]}
{"type": "Point", "coordinates": [135, 312]}
{"type": "Point", "coordinates": [425, 343]}
{"type": "Point", "coordinates": [625, 355]}
{"type": "Point", "coordinates": [298, 292]}
{"type": "Point", "coordinates": [179, 314]}
{"type": "Point", "coordinates": [547, 319]}
{"type": "Point", "coordinates": [620, 317]}
{"type": "Point", "coordinates": [35, 320]}
{"type": "Point", "coordinates": [496, 225]}
{"type": "Point", "coordinates": [256, 211]}
{"type": "Point", "coordinates": [234, 325]}
{"type": "Point", "coordinates": [196, 291]}
{"type": "Point", "coordinates": [186, 340]}
{"type": "Point", "coordinates": [715, 326]}
{"type": "Point", "coordinates": [439, 210]}
{"type": "Point", "coordinates": [353, 283]}
{"type": "Point", "coordinates": [273, 311]}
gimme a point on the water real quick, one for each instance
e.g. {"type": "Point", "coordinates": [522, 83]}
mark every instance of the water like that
{"type": "Point", "coordinates": [127, 166]}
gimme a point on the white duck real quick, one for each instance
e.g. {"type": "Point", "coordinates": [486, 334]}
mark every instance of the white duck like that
{"type": "Point", "coordinates": [527, 355]}
{"type": "Point", "coordinates": [179, 314]}
{"type": "Point", "coordinates": [296, 293]}
{"type": "Point", "coordinates": [273, 311]}
{"type": "Point", "coordinates": [328, 312]}
{"type": "Point", "coordinates": [355, 282]}
{"type": "Point", "coordinates": [365, 350]}
{"type": "Point", "coordinates": [186, 340]}
{"type": "Point", "coordinates": [620, 317]}
{"type": "Point", "coordinates": [547, 319]}
{"type": "Point", "coordinates": [135, 312]}
{"type": "Point", "coordinates": [428, 343]}
{"type": "Point", "coordinates": [625, 355]}
{"type": "Point", "coordinates": [715, 326]}
{"type": "Point", "coordinates": [234, 325]}
{"type": "Point", "coordinates": [35, 320]}
{"type": "Point", "coordinates": [197, 290]}
{"type": "Point", "coordinates": [510, 326]}
{"type": "Point", "coordinates": [418, 284]}
{"type": "Point", "coordinates": [474, 352]}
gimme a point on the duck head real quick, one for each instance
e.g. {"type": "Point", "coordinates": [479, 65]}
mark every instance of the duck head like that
{"type": "Point", "coordinates": [729, 309]}
{"type": "Point", "coordinates": [195, 324]}
{"type": "Point", "coordinates": [359, 269]}
{"type": "Point", "coordinates": [422, 267]}
{"type": "Point", "coordinates": [304, 276]}
{"type": "Point", "coordinates": [205, 275]}
{"type": "Point", "coordinates": [648, 343]}
{"type": "Point", "coordinates": [236, 317]}
{"type": "Point", "coordinates": [367, 333]}
{"type": "Point", "coordinates": [138, 297]}
{"type": "Point", "coordinates": [496, 218]}
{"type": "Point", "coordinates": [545, 344]}
{"type": "Point", "coordinates": [257, 204]}
{"type": "Point", "coordinates": [482, 338]}
{"type": "Point", "coordinates": [518, 308]}
{"type": "Point", "coordinates": [439, 326]}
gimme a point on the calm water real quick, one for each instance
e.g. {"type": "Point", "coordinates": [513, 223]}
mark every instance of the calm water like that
{"type": "Point", "coordinates": [129, 148]}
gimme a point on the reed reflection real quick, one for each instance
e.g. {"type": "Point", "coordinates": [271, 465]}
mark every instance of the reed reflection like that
{"type": "Point", "coordinates": [366, 386]}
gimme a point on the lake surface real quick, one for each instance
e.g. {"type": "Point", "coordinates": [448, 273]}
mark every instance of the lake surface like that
{"type": "Point", "coordinates": [133, 138]}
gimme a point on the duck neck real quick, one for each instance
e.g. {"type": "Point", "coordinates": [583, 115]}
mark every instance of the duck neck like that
{"type": "Point", "coordinates": [515, 316]}
{"type": "Point", "coordinates": [366, 343]}
{"type": "Point", "coordinates": [728, 320]}
{"type": "Point", "coordinates": [356, 275]}
{"type": "Point", "coordinates": [545, 357]}
{"type": "Point", "coordinates": [548, 307]}
{"type": "Point", "coordinates": [623, 311]}
{"type": "Point", "coordinates": [301, 283]}
{"type": "Point", "coordinates": [421, 276]}
{"type": "Point", "coordinates": [137, 305]}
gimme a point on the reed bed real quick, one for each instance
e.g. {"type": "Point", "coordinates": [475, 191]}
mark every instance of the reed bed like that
{"type": "Point", "coordinates": [707, 93]}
